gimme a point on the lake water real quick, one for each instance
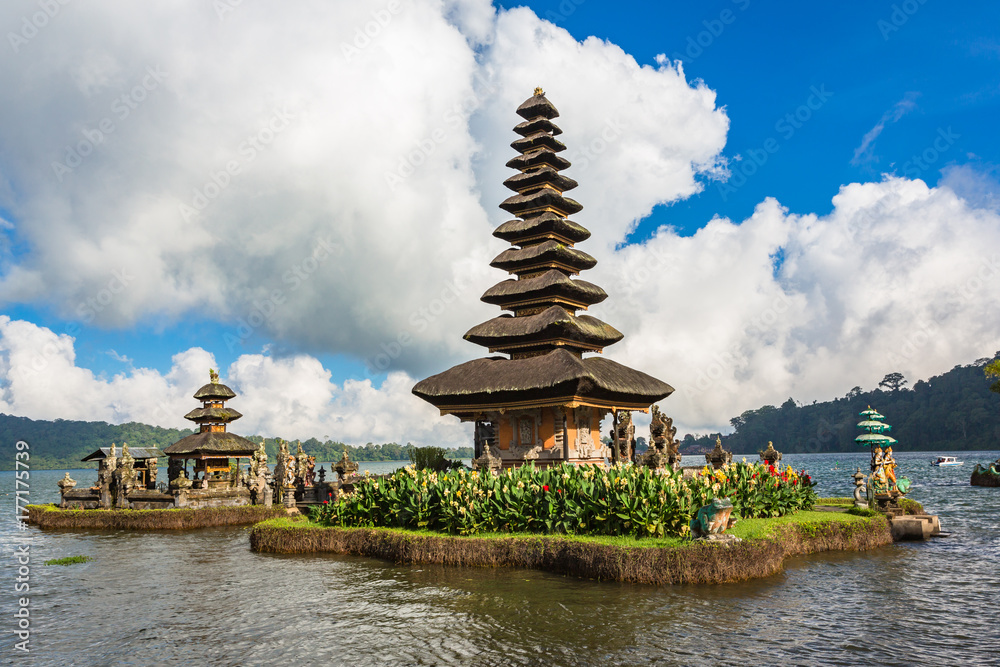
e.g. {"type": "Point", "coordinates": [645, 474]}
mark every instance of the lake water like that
{"type": "Point", "coordinates": [202, 597]}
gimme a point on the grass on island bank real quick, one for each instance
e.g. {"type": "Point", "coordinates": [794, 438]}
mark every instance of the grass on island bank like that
{"type": "Point", "coordinates": [670, 560]}
{"type": "Point", "coordinates": [51, 516]}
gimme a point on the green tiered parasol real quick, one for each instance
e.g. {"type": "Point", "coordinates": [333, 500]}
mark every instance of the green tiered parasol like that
{"type": "Point", "coordinates": [874, 435]}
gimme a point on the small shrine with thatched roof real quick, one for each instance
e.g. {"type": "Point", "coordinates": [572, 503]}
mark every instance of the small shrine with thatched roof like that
{"type": "Point", "coordinates": [541, 399]}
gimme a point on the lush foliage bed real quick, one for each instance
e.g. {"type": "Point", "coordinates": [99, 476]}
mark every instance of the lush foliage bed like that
{"type": "Point", "coordinates": [584, 500]}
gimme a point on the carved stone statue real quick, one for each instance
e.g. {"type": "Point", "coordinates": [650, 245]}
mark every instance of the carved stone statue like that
{"type": "Point", "coordinates": [280, 468]}
{"type": "Point", "coordinates": [770, 456]}
{"type": "Point", "coordinates": [718, 457]}
{"type": "Point", "coordinates": [488, 460]}
{"type": "Point", "coordinates": [127, 466]}
{"type": "Point", "coordinates": [180, 482]}
{"type": "Point", "coordinates": [311, 471]}
{"type": "Point", "coordinates": [301, 465]}
{"type": "Point", "coordinates": [623, 438]}
{"type": "Point", "coordinates": [105, 474]}
{"type": "Point", "coordinates": [713, 519]}
{"type": "Point", "coordinates": [345, 467]}
{"type": "Point", "coordinates": [860, 489]}
{"type": "Point", "coordinates": [663, 451]}
{"type": "Point", "coordinates": [66, 484]}
{"type": "Point", "coordinates": [151, 473]}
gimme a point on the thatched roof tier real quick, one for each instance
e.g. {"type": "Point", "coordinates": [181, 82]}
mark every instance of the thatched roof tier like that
{"type": "Point", "coordinates": [558, 378]}
{"type": "Point", "coordinates": [555, 325]}
{"type": "Point", "coordinates": [548, 254]}
{"type": "Point", "coordinates": [212, 443]}
{"type": "Point", "coordinates": [537, 125]}
{"type": "Point", "coordinates": [537, 106]}
{"type": "Point", "coordinates": [552, 286]}
{"type": "Point", "coordinates": [537, 159]}
{"type": "Point", "coordinates": [545, 226]}
{"type": "Point", "coordinates": [213, 415]}
{"type": "Point", "coordinates": [538, 140]}
{"type": "Point", "coordinates": [214, 391]}
{"type": "Point", "coordinates": [540, 201]}
{"type": "Point", "coordinates": [546, 176]}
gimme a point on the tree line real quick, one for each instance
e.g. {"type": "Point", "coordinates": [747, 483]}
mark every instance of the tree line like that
{"type": "Point", "coordinates": [949, 412]}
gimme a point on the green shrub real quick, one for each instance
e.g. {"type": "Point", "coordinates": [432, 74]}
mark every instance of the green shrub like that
{"type": "Point", "coordinates": [432, 458]}
{"type": "Point", "coordinates": [864, 511]}
{"type": "Point", "coordinates": [584, 500]}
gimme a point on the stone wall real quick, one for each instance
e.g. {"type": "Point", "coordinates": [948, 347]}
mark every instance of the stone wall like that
{"type": "Point", "coordinates": [225, 497]}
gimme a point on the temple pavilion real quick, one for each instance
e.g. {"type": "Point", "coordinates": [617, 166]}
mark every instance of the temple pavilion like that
{"type": "Point", "coordinates": [212, 446]}
{"type": "Point", "coordinates": [541, 399]}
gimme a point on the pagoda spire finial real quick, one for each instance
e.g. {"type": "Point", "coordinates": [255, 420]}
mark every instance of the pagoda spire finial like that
{"type": "Point", "coordinates": [539, 91]}
{"type": "Point", "coordinates": [213, 376]}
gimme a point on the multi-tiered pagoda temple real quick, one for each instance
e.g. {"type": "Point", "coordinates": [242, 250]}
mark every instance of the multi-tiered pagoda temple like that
{"type": "Point", "coordinates": [545, 400]}
{"type": "Point", "coordinates": [212, 446]}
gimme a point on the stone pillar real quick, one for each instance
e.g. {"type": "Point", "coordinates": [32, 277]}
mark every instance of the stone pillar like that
{"type": "Point", "coordinates": [150, 473]}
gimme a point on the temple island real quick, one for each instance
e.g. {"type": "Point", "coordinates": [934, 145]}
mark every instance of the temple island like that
{"type": "Point", "coordinates": [543, 400]}
{"type": "Point", "coordinates": [546, 490]}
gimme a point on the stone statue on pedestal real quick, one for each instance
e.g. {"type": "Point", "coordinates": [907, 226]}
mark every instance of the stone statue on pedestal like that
{"type": "Point", "coordinates": [345, 467]}
{"type": "Point", "coordinates": [718, 457]}
{"type": "Point", "coordinates": [65, 484]}
{"type": "Point", "coordinates": [770, 456]}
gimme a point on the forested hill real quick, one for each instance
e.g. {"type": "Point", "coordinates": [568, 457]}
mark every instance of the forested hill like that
{"type": "Point", "coordinates": [62, 443]}
{"type": "Point", "coordinates": [953, 411]}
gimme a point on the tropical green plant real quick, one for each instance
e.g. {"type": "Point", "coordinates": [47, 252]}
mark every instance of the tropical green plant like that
{"type": "Point", "coordinates": [584, 500]}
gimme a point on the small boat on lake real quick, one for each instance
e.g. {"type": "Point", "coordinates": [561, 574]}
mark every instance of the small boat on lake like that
{"type": "Point", "coordinates": [947, 461]}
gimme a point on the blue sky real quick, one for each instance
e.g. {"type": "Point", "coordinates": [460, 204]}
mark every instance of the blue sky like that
{"type": "Point", "coordinates": [817, 96]}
